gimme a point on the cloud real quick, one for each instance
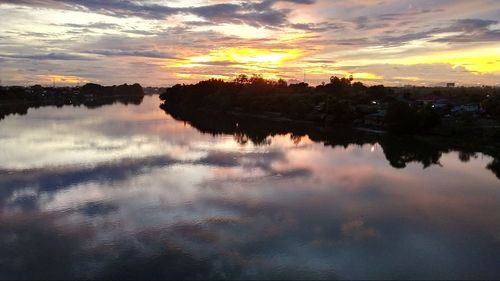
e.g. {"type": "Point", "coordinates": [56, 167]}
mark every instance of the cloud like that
{"type": "Point", "coordinates": [132, 53]}
{"type": "Point", "coordinates": [252, 13]}
{"type": "Point", "coordinates": [117, 32]}
{"type": "Point", "coordinates": [97, 25]}
{"type": "Point", "coordinates": [50, 56]}
{"type": "Point", "coordinates": [93, 209]}
{"type": "Point", "coordinates": [471, 30]}
{"type": "Point", "coordinates": [463, 30]}
{"type": "Point", "coordinates": [358, 230]}
{"type": "Point", "coordinates": [406, 14]}
{"type": "Point", "coordinates": [48, 179]}
{"type": "Point", "coordinates": [112, 7]}
{"type": "Point", "coordinates": [317, 27]}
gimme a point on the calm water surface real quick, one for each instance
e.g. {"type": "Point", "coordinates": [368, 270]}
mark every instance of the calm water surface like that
{"type": "Point", "coordinates": [128, 192]}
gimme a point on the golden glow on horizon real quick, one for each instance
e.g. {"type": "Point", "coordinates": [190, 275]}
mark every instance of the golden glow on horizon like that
{"type": "Point", "coordinates": [480, 60]}
{"type": "Point", "coordinates": [236, 56]}
{"type": "Point", "coordinates": [407, 78]}
{"type": "Point", "coordinates": [251, 55]}
{"type": "Point", "coordinates": [184, 75]}
{"type": "Point", "coordinates": [66, 79]}
{"type": "Point", "coordinates": [265, 62]}
{"type": "Point", "coordinates": [366, 76]}
{"type": "Point", "coordinates": [195, 77]}
{"type": "Point", "coordinates": [357, 75]}
{"type": "Point", "coordinates": [455, 42]}
{"type": "Point", "coordinates": [485, 60]}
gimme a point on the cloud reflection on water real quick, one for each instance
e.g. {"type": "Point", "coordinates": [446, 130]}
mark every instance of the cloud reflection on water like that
{"type": "Point", "coordinates": [188, 205]}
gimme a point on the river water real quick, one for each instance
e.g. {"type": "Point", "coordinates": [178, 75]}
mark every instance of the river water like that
{"type": "Point", "coordinates": [129, 192]}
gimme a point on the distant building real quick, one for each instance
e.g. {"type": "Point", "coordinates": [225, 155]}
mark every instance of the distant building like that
{"type": "Point", "coordinates": [450, 85]}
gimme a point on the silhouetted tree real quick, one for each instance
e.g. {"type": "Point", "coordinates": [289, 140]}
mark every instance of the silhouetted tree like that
{"type": "Point", "coordinates": [401, 118]}
{"type": "Point", "coordinates": [429, 118]}
{"type": "Point", "coordinates": [241, 79]}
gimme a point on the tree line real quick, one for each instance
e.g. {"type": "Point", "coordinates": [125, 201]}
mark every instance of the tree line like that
{"type": "Point", "coordinates": [340, 101]}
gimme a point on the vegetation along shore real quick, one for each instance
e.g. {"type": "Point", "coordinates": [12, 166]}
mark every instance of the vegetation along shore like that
{"type": "Point", "coordinates": [17, 100]}
{"type": "Point", "coordinates": [468, 112]}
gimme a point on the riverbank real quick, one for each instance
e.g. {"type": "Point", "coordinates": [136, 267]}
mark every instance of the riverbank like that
{"type": "Point", "coordinates": [464, 112]}
{"type": "Point", "coordinates": [18, 100]}
{"type": "Point", "coordinates": [480, 131]}
{"type": "Point", "coordinates": [258, 127]}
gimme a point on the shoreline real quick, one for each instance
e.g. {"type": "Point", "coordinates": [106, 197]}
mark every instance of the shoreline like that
{"type": "Point", "coordinates": [21, 107]}
{"type": "Point", "coordinates": [439, 132]}
{"type": "Point", "coordinates": [420, 148]}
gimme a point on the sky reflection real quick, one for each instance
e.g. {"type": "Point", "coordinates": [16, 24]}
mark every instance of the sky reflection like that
{"type": "Point", "coordinates": [137, 195]}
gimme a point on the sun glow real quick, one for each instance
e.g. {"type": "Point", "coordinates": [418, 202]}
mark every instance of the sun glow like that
{"type": "Point", "coordinates": [366, 76]}
{"type": "Point", "coordinates": [159, 42]}
{"type": "Point", "coordinates": [64, 79]}
{"type": "Point", "coordinates": [478, 60]}
{"type": "Point", "coordinates": [357, 75]}
{"type": "Point", "coordinates": [483, 60]}
{"type": "Point", "coordinates": [246, 56]}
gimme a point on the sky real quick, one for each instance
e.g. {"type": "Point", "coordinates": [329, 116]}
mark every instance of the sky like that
{"type": "Point", "coordinates": [161, 43]}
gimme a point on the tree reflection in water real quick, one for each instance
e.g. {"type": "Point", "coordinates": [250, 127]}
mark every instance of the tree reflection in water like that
{"type": "Point", "coordinates": [90, 103]}
{"type": "Point", "coordinates": [399, 150]}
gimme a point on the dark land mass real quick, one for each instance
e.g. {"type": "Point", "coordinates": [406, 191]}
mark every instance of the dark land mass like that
{"type": "Point", "coordinates": [17, 100]}
{"type": "Point", "coordinates": [399, 150]}
{"type": "Point", "coordinates": [412, 124]}
{"type": "Point", "coordinates": [472, 112]}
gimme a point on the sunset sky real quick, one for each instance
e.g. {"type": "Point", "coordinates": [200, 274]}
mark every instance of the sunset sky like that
{"type": "Point", "coordinates": [154, 42]}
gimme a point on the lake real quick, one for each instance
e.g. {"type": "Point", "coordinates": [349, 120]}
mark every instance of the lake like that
{"type": "Point", "coordinates": [129, 192]}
